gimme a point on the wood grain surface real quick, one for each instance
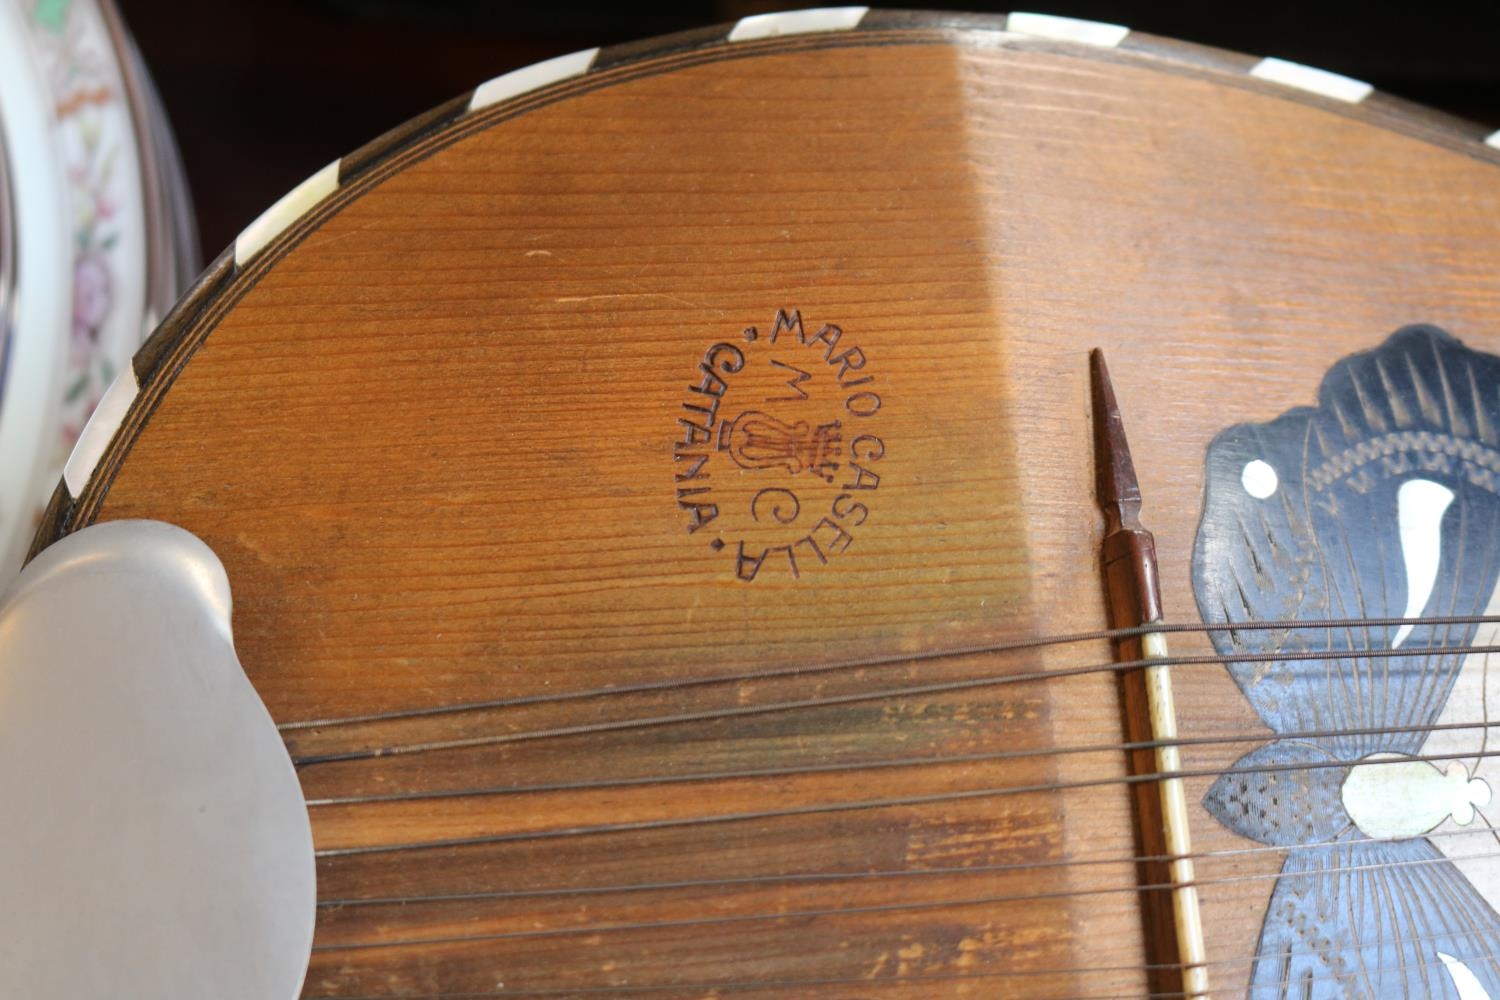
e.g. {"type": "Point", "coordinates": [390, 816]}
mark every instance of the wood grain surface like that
{"type": "Point", "coordinates": [441, 435]}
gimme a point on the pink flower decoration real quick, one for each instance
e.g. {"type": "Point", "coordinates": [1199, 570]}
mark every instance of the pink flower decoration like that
{"type": "Point", "coordinates": [92, 295]}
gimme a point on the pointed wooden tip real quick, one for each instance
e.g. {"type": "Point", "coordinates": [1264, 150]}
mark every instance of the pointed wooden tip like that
{"type": "Point", "coordinates": [1119, 493]}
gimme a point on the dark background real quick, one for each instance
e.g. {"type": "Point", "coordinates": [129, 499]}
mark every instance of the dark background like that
{"type": "Point", "coordinates": [263, 92]}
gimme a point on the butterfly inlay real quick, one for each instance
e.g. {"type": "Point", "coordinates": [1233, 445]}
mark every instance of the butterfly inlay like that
{"type": "Point", "coordinates": [1383, 501]}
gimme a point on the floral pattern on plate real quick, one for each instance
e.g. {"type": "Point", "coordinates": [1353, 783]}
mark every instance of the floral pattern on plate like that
{"type": "Point", "coordinates": [94, 132]}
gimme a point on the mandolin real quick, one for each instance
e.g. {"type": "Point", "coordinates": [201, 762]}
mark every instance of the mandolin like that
{"type": "Point", "coordinates": [661, 495]}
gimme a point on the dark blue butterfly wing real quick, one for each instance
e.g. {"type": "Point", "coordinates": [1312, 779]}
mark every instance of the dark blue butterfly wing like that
{"type": "Point", "coordinates": [1283, 793]}
{"type": "Point", "coordinates": [1374, 920]}
{"type": "Point", "coordinates": [1380, 502]}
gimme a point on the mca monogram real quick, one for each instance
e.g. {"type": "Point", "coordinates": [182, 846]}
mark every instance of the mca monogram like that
{"type": "Point", "coordinates": [777, 449]}
{"type": "Point", "coordinates": [760, 441]}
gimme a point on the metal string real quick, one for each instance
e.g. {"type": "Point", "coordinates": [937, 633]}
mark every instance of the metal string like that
{"type": "Point", "coordinates": [930, 905]}
{"type": "Point", "coordinates": [860, 805]}
{"type": "Point", "coordinates": [1222, 854]}
{"type": "Point", "coordinates": [770, 984]}
{"type": "Point", "coordinates": [1040, 675]}
{"type": "Point", "coordinates": [697, 989]}
{"type": "Point", "coordinates": [809, 670]}
{"type": "Point", "coordinates": [933, 760]}
{"type": "Point", "coordinates": [942, 687]}
{"type": "Point", "coordinates": [897, 907]}
{"type": "Point", "coordinates": [741, 986]}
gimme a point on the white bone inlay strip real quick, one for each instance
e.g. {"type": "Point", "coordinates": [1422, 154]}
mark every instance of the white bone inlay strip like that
{"type": "Point", "coordinates": [1314, 81]}
{"type": "Point", "coordinates": [274, 220]}
{"type": "Point", "coordinates": [529, 78]}
{"type": "Point", "coordinates": [1493, 140]}
{"type": "Point", "coordinates": [1186, 914]}
{"type": "Point", "coordinates": [1067, 29]}
{"type": "Point", "coordinates": [797, 22]}
{"type": "Point", "coordinates": [97, 432]}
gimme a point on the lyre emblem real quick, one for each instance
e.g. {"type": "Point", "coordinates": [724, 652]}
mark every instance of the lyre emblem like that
{"type": "Point", "coordinates": [1380, 502]}
{"type": "Point", "coordinates": [757, 440]}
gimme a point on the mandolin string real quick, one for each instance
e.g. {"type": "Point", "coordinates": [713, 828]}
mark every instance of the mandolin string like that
{"type": "Point", "coordinates": [931, 760]}
{"type": "Point", "coordinates": [675, 684]}
{"type": "Point", "coordinates": [807, 670]}
{"type": "Point", "coordinates": [861, 805]}
{"type": "Point", "coordinates": [940, 797]}
{"type": "Point", "coordinates": [736, 988]}
{"type": "Point", "coordinates": [1018, 867]}
{"type": "Point", "coordinates": [1367, 655]}
{"type": "Point", "coordinates": [702, 989]}
{"type": "Point", "coordinates": [657, 925]}
{"type": "Point", "coordinates": [686, 993]}
{"type": "Point", "coordinates": [779, 984]}
{"type": "Point", "coordinates": [699, 989]}
{"type": "Point", "coordinates": [597, 929]}
{"type": "Point", "coordinates": [1014, 867]}
{"type": "Point", "coordinates": [941, 687]}
{"type": "Point", "coordinates": [996, 973]}
{"type": "Point", "coordinates": [988, 900]}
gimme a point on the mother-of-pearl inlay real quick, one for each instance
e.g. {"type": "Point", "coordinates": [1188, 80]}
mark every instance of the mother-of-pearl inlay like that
{"type": "Point", "coordinates": [1259, 479]}
{"type": "Point", "coordinates": [1391, 797]}
{"type": "Point", "coordinates": [1420, 506]}
{"type": "Point", "coordinates": [1464, 981]}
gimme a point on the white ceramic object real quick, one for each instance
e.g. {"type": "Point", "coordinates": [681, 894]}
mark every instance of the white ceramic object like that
{"type": "Point", "coordinates": [92, 132]}
{"type": "Point", "coordinates": [157, 843]}
{"type": "Point", "coordinates": [7, 255]}
{"type": "Point", "coordinates": [30, 390]}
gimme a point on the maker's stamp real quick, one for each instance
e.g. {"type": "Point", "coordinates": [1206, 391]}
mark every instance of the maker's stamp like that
{"type": "Point", "coordinates": [778, 446]}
